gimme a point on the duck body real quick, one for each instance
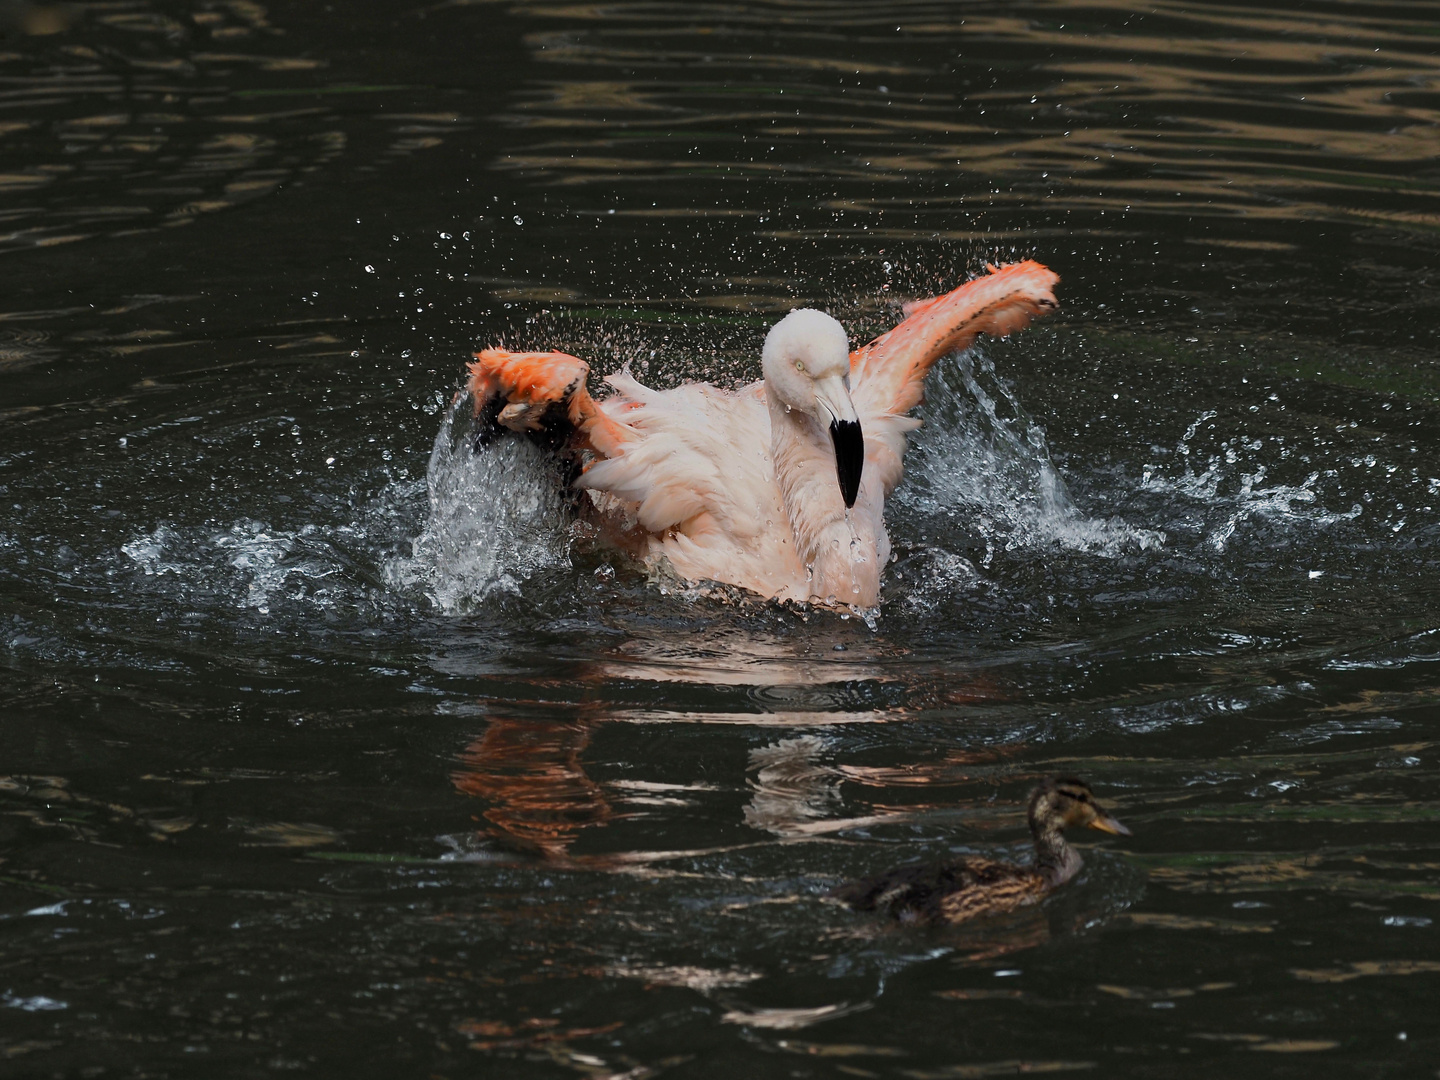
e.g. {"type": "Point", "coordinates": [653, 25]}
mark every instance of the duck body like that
{"type": "Point", "coordinates": [957, 890]}
{"type": "Point", "coordinates": [952, 891]}
{"type": "Point", "coordinates": [778, 487]}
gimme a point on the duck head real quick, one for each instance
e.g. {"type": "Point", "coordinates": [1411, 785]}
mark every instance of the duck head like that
{"type": "Point", "coordinates": [1060, 803]}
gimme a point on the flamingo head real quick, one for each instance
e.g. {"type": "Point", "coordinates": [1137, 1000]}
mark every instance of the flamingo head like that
{"type": "Point", "coordinates": [807, 369]}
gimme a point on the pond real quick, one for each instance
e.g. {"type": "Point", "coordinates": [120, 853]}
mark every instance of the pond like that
{"type": "Point", "coordinates": [332, 745]}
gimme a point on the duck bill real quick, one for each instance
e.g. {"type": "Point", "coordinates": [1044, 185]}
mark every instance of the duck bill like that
{"type": "Point", "coordinates": [845, 434]}
{"type": "Point", "coordinates": [1110, 825]}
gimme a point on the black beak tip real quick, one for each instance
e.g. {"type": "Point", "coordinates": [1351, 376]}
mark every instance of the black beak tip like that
{"type": "Point", "coordinates": [849, 458]}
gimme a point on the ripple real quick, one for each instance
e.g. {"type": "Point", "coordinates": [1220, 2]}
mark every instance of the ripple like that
{"type": "Point", "coordinates": [134, 120]}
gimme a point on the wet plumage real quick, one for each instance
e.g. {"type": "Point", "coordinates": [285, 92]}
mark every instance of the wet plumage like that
{"type": "Point", "coordinates": [957, 890]}
{"type": "Point", "coordinates": [778, 487]}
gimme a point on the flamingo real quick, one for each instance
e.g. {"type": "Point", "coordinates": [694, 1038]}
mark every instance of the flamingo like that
{"type": "Point", "coordinates": [777, 487]}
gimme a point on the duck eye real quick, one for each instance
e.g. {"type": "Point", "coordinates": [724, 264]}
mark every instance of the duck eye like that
{"type": "Point", "coordinates": [799, 365]}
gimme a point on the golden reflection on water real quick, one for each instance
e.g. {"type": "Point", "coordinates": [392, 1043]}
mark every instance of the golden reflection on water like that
{"type": "Point", "coordinates": [132, 119]}
{"type": "Point", "coordinates": [1279, 114]}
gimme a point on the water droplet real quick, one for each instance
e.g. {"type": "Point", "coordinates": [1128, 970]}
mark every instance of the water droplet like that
{"type": "Point", "coordinates": [369, 269]}
{"type": "Point", "coordinates": [519, 220]}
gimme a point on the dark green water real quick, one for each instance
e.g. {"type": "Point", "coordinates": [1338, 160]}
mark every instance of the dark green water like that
{"type": "Point", "coordinates": [321, 753]}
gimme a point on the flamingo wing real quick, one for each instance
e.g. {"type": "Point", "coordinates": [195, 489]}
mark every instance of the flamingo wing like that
{"type": "Point", "coordinates": [671, 456]}
{"type": "Point", "coordinates": [543, 391]}
{"type": "Point", "coordinates": [887, 376]}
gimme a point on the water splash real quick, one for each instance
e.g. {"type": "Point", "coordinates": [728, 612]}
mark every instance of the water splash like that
{"type": "Point", "coordinates": [981, 458]}
{"type": "Point", "coordinates": [1229, 496]}
{"type": "Point", "coordinates": [148, 551]}
{"type": "Point", "coordinates": [497, 518]}
{"type": "Point", "coordinates": [253, 564]}
{"type": "Point", "coordinates": [929, 577]}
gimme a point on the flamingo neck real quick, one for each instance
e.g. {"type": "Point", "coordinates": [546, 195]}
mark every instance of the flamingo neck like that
{"type": "Point", "coordinates": [839, 549]}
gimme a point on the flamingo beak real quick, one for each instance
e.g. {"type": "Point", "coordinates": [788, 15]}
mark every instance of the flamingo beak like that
{"type": "Point", "coordinates": [834, 396]}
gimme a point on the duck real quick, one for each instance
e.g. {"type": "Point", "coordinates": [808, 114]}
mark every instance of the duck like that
{"type": "Point", "coordinates": [959, 890]}
{"type": "Point", "coordinates": [777, 487]}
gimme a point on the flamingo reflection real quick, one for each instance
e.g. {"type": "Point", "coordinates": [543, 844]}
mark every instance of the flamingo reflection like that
{"type": "Point", "coordinates": [539, 797]}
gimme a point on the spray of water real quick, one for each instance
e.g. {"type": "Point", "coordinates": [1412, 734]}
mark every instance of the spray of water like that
{"type": "Point", "coordinates": [498, 516]}
{"type": "Point", "coordinates": [250, 565]}
{"type": "Point", "coordinates": [1229, 493]}
{"type": "Point", "coordinates": [982, 461]}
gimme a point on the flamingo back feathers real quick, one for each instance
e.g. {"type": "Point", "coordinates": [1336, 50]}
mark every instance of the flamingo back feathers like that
{"type": "Point", "coordinates": [694, 449]}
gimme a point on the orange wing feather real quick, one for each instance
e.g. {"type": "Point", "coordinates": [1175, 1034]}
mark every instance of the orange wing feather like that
{"type": "Point", "coordinates": [530, 383]}
{"type": "Point", "coordinates": [889, 373]}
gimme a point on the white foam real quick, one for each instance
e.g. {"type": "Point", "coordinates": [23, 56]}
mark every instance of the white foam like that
{"type": "Point", "coordinates": [259, 555]}
{"type": "Point", "coordinates": [148, 551]}
{"type": "Point", "coordinates": [264, 564]}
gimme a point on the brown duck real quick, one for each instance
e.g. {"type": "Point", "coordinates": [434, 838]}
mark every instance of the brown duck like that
{"type": "Point", "coordinates": [957, 890]}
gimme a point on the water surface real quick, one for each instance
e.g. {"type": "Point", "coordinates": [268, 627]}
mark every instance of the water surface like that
{"type": "Point", "coordinates": [331, 747]}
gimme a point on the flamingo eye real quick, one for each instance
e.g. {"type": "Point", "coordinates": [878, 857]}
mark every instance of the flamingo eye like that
{"type": "Point", "coordinates": [799, 365]}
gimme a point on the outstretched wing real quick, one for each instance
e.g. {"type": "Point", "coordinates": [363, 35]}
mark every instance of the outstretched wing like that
{"type": "Point", "coordinates": [887, 376]}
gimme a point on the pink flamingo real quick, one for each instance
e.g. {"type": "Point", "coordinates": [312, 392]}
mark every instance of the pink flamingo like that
{"type": "Point", "coordinates": [780, 486]}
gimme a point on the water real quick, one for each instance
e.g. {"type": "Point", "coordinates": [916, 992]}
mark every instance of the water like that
{"type": "Point", "coordinates": [331, 748]}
